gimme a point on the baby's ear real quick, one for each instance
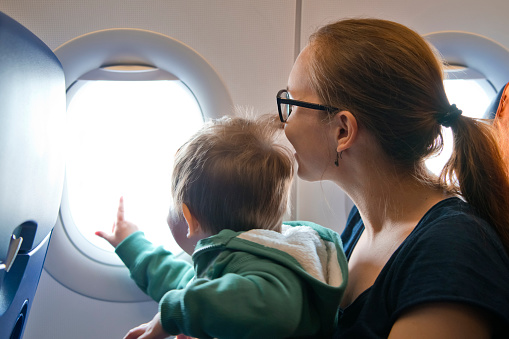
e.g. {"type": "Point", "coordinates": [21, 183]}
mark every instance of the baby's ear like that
{"type": "Point", "coordinates": [192, 223]}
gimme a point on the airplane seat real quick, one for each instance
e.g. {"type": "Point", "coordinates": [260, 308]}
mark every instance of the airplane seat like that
{"type": "Point", "coordinates": [498, 110]}
{"type": "Point", "coordinates": [32, 113]}
{"type": "Point", "coordinates": [493, 108]}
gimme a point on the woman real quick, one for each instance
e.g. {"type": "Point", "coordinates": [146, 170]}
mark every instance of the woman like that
{"type": "Point", "coordinates": [427, 255]}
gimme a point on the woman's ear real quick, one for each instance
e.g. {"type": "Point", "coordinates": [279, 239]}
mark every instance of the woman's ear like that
{"type": "Point", "coordinates": [192, 223]}
{"type": "Point", "coordinates": [346, 129]}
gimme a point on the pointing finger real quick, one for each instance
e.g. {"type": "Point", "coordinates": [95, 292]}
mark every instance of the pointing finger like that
{"type": "Point", "coordinates": [120, 213]}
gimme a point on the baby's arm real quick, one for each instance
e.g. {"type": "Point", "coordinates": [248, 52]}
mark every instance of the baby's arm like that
{"type": "Point", "coordinates": [121, 229]}
{"type": "Point", "coordinates": [212, 308]}
{"type": "Point", "coordinates": [235, 305]}
{"type": "Point", "coordinates": [154, 269]}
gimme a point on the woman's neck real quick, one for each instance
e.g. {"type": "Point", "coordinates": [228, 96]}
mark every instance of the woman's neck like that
{"type": "Point", "coordinates": [389, 198]}
{"type": "Point", "coordinates": [396, 203]}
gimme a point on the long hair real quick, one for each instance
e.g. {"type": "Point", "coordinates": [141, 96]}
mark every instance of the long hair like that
{"type": "Point", "coordinates": [233, 174]}
{"type": "Point", "coordinates": [391, 80]}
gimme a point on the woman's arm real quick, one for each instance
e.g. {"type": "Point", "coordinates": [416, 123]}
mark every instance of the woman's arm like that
{"type": "Point", "coordinates": [442, 320]}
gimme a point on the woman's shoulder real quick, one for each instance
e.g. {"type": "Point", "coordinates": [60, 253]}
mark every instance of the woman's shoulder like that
{"type": "Point", "coordinates": [453, 221]}
{"type": "Point", "coordinates": [452, 234]}
{"type": "Point", "coordinates": [450, 208]}
{"type": "Point", "coordinates": [452, 255]}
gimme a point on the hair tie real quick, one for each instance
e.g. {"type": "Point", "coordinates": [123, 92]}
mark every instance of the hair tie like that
{"type": "Point", "coordinates": [448, 118]}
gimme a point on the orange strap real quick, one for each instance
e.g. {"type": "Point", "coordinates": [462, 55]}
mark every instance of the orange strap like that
{"type": "Point", "coordinates": [501, 123]}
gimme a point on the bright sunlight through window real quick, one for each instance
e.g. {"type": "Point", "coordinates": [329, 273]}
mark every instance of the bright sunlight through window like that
{"type": "Point", "coordinates": [472, 96]}
{"type": "Point", "coordinates": [122, 139]}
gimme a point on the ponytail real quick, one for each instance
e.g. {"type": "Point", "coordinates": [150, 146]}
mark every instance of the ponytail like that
{"type": "Point", "coordinates": [481, 173]}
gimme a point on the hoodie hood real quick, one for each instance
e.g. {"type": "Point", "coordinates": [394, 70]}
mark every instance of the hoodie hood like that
{"type": "Point", "coordinates": [317, 256]}
{"type": "Point", "coordinates": [312, 251]}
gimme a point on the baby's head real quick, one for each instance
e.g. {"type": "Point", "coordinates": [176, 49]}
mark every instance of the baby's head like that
{"type": "Point", "coordinates": [232, 174]}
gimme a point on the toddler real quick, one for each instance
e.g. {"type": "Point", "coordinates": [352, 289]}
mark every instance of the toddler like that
{"type": "Point", "coordinates": [252, 275]}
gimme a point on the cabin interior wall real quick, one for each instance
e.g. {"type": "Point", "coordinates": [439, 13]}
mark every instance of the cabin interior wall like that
{"type": "Point", "coordinates": [256, 35]}
{"type": "Point", "coordinates": [487, 18]}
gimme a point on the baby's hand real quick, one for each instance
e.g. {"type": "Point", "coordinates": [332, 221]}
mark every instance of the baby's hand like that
{"type": "Point", "coordinates": [150, 330]}
{"type": "Point", "coordinates": [121, 229]}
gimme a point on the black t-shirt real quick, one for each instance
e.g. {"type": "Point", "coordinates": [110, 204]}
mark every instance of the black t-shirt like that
{"type": "Point", "coordinates": [450, 256]}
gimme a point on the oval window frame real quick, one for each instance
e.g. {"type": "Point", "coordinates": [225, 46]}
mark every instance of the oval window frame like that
{"type": "Point", "coordinates": [475, 56]}
{"type": "Point", "coordinates": [66, 262]}
{"type": "Point", "coordinates": [475, 52]}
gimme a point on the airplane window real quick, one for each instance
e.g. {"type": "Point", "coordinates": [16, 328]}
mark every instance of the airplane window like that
{"type": "Point", "coordinates": [133, 97]}
{"type": "Point", "coordinates": [472, 96]}
{"type": "Point", "coordinates": [478, 69]}
{"type": "Point", "coordinates": [122, 138]}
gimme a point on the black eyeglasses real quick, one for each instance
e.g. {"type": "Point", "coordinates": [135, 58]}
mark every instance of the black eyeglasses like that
{"type": "Point", "coordinates": [284, 105]}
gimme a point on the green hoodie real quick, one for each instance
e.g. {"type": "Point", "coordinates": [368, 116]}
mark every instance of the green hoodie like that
{"type": "Point", "coordinates": [254, 284]}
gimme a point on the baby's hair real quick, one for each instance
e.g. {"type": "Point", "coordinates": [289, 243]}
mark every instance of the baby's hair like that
{"type": "Point", "coordinates": [233, 174]}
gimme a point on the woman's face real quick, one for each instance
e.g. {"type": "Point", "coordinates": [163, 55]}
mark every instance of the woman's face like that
{"type": "Point", "coordinates": [305, 128]}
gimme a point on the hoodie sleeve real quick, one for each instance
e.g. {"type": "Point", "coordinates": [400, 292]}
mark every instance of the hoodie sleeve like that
{"type": "Point", "coordinates": [237, 304]}
{"type": "Point", "coordinates": [154, 269]}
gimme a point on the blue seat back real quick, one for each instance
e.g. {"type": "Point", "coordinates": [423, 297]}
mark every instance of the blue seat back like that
{"type": "Point", "coordinates": [491, 111]}
{"type": "Point", "coordinates": [32, 115]}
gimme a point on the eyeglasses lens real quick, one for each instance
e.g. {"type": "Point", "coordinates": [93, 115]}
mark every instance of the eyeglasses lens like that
{"type": "Point", "coordinates": [286, 109]}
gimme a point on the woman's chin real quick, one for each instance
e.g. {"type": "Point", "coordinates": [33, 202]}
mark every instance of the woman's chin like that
{"type": "Point", "coordinates": [306, 175]}
{"type": "Point", "coordinates": [310, 174]}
